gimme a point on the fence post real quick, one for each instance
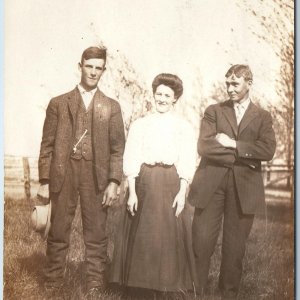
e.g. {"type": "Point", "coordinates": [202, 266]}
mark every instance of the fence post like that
{"type": "Point", "coordinates": [268, 169]}
{"type": "Point", "coordinates": [26, 169]}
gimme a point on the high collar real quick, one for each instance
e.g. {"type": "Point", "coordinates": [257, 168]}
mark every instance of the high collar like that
{"type": "Point", "coordinates": [244, 104]}
{"type": "Point", "coordinates": [83, 91]}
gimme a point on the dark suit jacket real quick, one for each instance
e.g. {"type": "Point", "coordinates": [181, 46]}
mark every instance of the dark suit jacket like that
{"type": "Point", "coordinates": [255, 143]}
{"type": "Point", "coordinates": [108, 139]}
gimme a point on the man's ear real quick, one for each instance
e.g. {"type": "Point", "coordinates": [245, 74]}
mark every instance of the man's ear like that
{"type": "Point", "coordinates": [250, 82]}
{"type": "Point", "coordinates": [79, 66]}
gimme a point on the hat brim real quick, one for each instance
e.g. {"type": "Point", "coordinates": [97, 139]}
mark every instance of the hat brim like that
{"type": "Point", "coordinates": [48, 224]}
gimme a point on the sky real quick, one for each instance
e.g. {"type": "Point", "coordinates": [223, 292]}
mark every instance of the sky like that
{"type": "Point", "coordinates": [44, 41]}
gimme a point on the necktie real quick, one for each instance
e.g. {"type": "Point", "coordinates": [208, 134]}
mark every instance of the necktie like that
{"type": "Point", "coordinates": [238, 113]}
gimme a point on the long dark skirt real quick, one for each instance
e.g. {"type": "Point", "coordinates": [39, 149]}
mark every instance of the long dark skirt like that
{"type": "Point", "coordinates": [153, 248]}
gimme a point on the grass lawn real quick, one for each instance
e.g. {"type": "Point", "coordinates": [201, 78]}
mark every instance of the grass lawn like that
{"type": "Point", "coordinates": [268, 264]}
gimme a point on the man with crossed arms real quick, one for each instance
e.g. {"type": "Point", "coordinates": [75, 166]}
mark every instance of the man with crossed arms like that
{"type": "Point", "coordinates": [235, 136]}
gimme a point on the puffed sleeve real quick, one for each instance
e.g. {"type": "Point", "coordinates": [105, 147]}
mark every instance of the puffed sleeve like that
{"type": "Point", "coordinates": [187, 156]}
{"type": "Point", "coordinates": [133, 149]}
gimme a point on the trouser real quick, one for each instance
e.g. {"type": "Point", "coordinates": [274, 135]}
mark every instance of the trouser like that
{"type": "Point", "coordinates": [236, 229]}
{"type": "Point", "coordinates": [79, 180]}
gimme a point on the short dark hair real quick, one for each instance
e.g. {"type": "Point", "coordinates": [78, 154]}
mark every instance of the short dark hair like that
{"type": "Point", "coordinates": [170, 80]}
{"type": "Point", "coordinates": [94, 52]}
{"type": "Point", "coordinates": [240, 70]}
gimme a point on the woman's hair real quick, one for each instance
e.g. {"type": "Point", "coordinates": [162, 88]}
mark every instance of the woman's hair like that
{"type": "Point", "coordinates": [170, 80]}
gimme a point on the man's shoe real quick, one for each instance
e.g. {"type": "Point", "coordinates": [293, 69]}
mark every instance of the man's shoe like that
{"type": "Point", "coordinates": [94, 293]}
{"type": "Point", "coordinates": [229, 296]}
{"type": "Point", "coordinates": [100, 284]}
{"type": "Point", "coordinates": [52, 289]}
{"type": "Point", "coordinates": [52, 292]}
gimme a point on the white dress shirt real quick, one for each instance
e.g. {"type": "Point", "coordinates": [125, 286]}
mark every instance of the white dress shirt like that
{"type": "Point", "coordinates": [161, 138]}
{"type": "Point", "coordinates": [87, 96]}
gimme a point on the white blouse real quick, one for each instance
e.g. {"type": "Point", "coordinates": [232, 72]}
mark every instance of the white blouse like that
{"type": "Point", "coordinates": [161, 138]}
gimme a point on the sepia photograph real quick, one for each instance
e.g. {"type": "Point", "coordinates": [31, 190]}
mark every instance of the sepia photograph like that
{"type": "Point", "coordinates": [149, 150]}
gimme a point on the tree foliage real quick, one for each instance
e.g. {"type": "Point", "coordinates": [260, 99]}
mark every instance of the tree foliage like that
{"type": "Point", "coordinates": [276, 20]}
{"type": "Point", "coordinates": [123, 82]}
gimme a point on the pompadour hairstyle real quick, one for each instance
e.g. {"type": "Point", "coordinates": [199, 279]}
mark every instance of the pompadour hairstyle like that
{"type": "Point", "coordinates": [170, 80]}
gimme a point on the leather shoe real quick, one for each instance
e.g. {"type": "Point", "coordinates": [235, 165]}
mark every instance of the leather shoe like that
{"type": "Point", "coordinates": [100, 284]}
{"type": "Point", "coordinates": [94, 293]}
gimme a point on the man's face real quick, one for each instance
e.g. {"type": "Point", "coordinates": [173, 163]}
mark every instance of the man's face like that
{"type": "Point", "coordinates": [237, 87]}
{"type": "Point", "coordinates": [91, 72]}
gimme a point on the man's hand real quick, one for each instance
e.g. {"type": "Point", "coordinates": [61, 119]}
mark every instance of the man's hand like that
{"type": "Point", "coordinates": [226, 141]}
{"type": "Point", "coordinates": [110, 194]}
{"type": "Point", "coordinates": [43, 193]}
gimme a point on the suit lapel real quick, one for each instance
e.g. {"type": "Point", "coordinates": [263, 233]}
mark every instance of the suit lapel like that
{"type": "Point", "coordinates": [73, 99]}
{"type": "Point", "coordinates": [101, 111]}
{"type": "Point", "coordinates": [100, 107]}
{"type": "Point", "coordinates": [229, 113]}
{"type": "Point", "coordinates": [98, 101]}
{"type": "Point", "coordinates": [250, 114]}
{"type": "Point", "coordinates": [73, 102]}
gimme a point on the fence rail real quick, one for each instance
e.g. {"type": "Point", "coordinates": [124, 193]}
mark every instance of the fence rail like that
{"type": "Point", "coordinates": [21, 176]}
{"type": "Point", "coordinates": [278, 175]}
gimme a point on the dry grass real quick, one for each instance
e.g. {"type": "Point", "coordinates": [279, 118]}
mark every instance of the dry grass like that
{"type": "Point", "coordinates": [268, 265]}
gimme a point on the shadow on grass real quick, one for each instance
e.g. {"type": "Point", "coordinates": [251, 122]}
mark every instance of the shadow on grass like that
{"type": "Point", "coordinates": [34, 265]}
{"type": "Point", "coordinates": [279, 212]}
{"type": "Point", "coordinates": [130, 293]}
{"type": "Point", "coordinates": [74, 273]}
{"type": "Point", "coordinates": [74, 281]}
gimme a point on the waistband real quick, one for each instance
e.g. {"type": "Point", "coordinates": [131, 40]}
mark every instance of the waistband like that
{"type": "Point", "coordinates": [158, 165]}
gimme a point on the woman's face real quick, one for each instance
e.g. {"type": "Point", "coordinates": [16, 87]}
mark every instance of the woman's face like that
{"type": "Point", "coordinates": [164, 98]}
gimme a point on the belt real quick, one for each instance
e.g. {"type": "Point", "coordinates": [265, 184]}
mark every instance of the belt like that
{"type": "Point", "coordinates": [158, 165]}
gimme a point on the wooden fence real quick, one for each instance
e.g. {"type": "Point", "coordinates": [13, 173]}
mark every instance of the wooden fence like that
{"type": "Point", "coordinates": [278, 175]}
{"type": "Point", "coordinates": [21, 176]}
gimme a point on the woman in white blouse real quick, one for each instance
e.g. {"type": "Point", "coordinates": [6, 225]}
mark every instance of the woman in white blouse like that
{"type": "Point", "coordinates": [159, 162]}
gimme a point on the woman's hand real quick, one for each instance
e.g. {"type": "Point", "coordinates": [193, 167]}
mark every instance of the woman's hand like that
{"type": "Point", "coordinates": [132, 203]}
{"type": "Point", "coordinates": [179, 202]}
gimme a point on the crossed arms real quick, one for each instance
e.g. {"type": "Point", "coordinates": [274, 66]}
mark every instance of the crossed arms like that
{"type": "Point", "coordinates": [225, 150]}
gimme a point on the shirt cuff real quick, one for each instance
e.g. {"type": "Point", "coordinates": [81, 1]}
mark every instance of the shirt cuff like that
{"type": "Point", "coordinates": [114, 181]}
{"type": "Point", "coordinates": [44, 181]}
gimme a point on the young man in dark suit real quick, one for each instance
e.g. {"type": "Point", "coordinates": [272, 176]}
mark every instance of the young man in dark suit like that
{"type": "Point", "coordinates": [81, 155]}
{"type": "Point", "coordinates": [235, 136]}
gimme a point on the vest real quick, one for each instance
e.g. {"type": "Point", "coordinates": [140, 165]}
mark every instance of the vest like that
{"type": "Point", "coordinates": [83, 122]}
